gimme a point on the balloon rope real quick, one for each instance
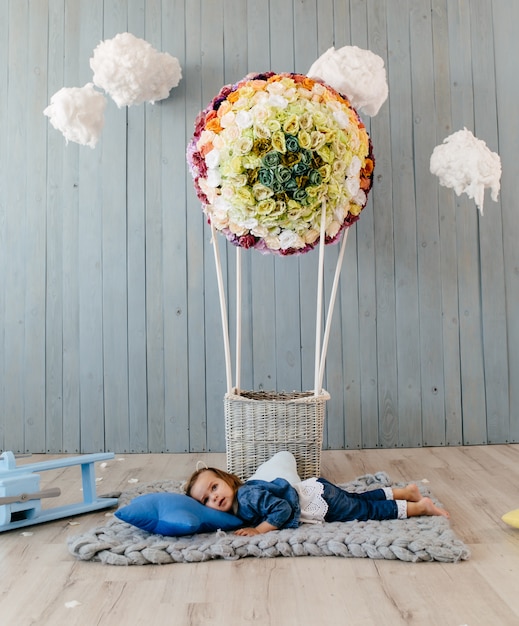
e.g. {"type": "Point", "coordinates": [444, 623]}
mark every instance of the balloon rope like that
{"type": "Point", "coordinates": [331, 306]}
{"type": "Point", "coordinates": [223, 309]}
{"type": "Point", "coordinates": [319, 312]}
{"type": "Point", "coordinates": [238, 319]}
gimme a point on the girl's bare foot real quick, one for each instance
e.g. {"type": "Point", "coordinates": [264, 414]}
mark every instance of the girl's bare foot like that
{"type": "Point", "coordinates": [411, 493]}
{"type": "Point", "coordinates": [425, 506]}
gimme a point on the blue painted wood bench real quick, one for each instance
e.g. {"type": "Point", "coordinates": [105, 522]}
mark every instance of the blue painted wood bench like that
{"type": "Point", "coordinates": [20, 495]}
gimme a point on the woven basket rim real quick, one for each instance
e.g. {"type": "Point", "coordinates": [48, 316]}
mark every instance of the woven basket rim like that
{"type": "Point", "coordinates": [276, 396]}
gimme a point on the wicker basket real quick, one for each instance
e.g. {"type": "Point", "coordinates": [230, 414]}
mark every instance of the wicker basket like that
{"type": "Point", "coordinates": [260, 423]}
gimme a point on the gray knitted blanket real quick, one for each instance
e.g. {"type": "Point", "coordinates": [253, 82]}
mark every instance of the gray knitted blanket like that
{"type": "Point", "coordinates": [415, 539]}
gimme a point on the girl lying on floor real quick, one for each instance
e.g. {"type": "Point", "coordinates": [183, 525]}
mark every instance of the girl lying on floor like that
{"type": "Point", "coordinates": [266, 506]}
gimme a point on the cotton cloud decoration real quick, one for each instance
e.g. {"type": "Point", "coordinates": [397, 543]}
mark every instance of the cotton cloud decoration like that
{"type": "Point", "coordinates": [78, 112]}
{"type": "Point", "coordinates": [132, 71]}
{"type": "Point", "coordinates": [356, 73]}
{"type": "Point", "coordinates": [465, 164]}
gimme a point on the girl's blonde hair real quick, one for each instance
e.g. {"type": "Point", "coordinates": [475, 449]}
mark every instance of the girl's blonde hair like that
{"type": "Point", "coordinates": [231, 479]}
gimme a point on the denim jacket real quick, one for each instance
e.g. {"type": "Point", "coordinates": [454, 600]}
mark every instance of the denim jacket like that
{"type": "Point", "coordinates": [275, 502]}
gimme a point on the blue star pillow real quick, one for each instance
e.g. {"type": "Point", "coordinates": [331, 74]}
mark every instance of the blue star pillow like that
{"type": "Point", "coordinates": [174, 515]}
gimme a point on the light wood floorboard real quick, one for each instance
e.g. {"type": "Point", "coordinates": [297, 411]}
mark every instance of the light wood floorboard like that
{"type": "Point", "coordinates": [477, 485]}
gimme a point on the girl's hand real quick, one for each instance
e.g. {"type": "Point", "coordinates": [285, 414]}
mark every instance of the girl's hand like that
{"type": "Point", "coordinates": [246, 532]}
{"type": "Point", "coordinates": [264, 527]}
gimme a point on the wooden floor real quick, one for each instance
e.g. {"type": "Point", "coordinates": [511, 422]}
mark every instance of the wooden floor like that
{"type": "Point", "coordinates": [39, 578]}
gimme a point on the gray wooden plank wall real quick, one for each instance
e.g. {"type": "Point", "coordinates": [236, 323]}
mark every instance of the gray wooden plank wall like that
{"type": "Point", "coordinates": [110, 334]}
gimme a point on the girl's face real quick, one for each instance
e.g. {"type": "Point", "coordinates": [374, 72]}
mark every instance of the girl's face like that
{"type": "Point", "coordinates": [213, 492]}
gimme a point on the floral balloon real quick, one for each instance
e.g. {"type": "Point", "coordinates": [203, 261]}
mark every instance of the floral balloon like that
{"type": "Point", "coordinates": [270, 151]}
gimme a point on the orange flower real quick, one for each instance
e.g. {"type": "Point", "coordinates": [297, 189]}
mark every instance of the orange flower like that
{"type": "Point", "coordinates": [233, 97]}
{"type": "Point", "coordinates": [365, 183]}
{"type": "Point", "coordinates": [257, 85]}
{"type": "Point", "coordinates": [213, 125]}
{"type": "Point", "coordinates": [368, 167]}
{"type": "Point", "coordinates": [206, 148]}
{"type": "Point", "coordinates": [328, 96]}
{"type": "Point", "coordinates": [308, 83]}
{"type": "Point", "coordinates": [343, 99]}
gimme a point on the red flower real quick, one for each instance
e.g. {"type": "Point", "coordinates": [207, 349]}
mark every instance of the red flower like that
{"type": "Point", "coordinates": [247, 241]}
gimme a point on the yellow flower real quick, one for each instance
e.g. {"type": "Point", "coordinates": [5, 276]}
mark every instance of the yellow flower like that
{"type": "Point", "coordinates": [279, 209]}
{"type": "Point", "coordinates": [265, 207]}
{"type": "Point", "coordinates": [240, 180]}
{"type": "Point", "coordinates": [339, 169]}
{"type": "Point", "coordinates": [326, 154]}
{"type": "Point", "coordinates": [261, 192]}
{"type": "Point", "coordinates": [311, 235]}
{"type": "Point", "coordinates": [334, 191]}
{"type": "Point", "coordinates": [272, 242]}
{"type": "Point", "coordinates": [296, 108]}
{"type": "Point", "coordinates": [243, 146]}
{"type": "Point", "coordinates": [306, 121]}
{"type": "Point", "coordinates": [226, 169]}
{"type": "Point", "coordinates": [262, 131]}
{"type": "Point", "coordinates": [326, 172]}
{"type": "Point", "coordinates": [278, 141]}
{"type": "Point", "coordinates": [320, 120]}
{"type": "Point", "coordinates": [247, 91]}
{"type": "Point", "coordinates": [305, 141]}
{"type": "Point", "coordinates": [318, 139]}
{"type": "Point", "coordinates": [291, 125]}
{"type": "Point", "coordinates": [251, 161]}
{"type": "Point", "coordinates": [333, 228]}
{"type": "Point", "coordinates": [244, 194]}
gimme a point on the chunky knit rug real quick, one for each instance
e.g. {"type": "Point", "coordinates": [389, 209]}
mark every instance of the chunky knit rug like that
{"type": "Point", "coordinates": [415, 539]}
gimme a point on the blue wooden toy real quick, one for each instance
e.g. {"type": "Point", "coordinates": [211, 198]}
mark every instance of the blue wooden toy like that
{"type": "Point", "coordinates": [20, 494]}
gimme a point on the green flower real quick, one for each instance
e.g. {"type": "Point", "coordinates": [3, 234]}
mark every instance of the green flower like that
{"type": "Point", "coordinates": [271, 159]}
{"type": "Point", "coordinates": [266, 177]}
{"type": "Point", "coordinates": [292, 144]}
{"type": "Point", "coordinates": [299, 195]}
{"type": "Point", "coordinates": [291, 185]}
{"type": "Point", "coordinates": [282, 174]}
{"type": "Point", "coordinates": [314, 177]}
{"type": "Point", "coordinates": [300, 168]}
{"type": "Point", "coordinates": [277, 186]}
{"type": "Point", "coordinates": [306, 156]}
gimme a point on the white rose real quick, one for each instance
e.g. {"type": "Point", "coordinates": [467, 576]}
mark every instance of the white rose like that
{"type": "Point", "coordinates": [243, 119]}
{"type": "Point", "coordinates": [212, 159]}
{"type": "Point", "coordinates": [290, 239]}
